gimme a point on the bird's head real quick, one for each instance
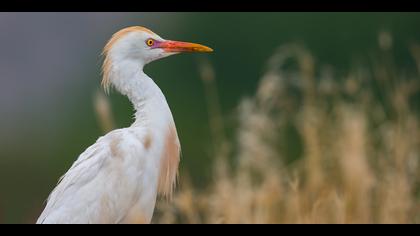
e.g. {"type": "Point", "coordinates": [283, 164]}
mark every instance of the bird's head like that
{"type": "Point", "coordinates": [140, 46]}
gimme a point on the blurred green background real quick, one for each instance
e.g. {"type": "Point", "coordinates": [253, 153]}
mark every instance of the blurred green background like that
{"type": "Point", "coordinates": [50, 70]}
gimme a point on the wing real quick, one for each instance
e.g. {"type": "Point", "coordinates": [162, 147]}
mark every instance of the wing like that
{"type": "Point", "coordinates": [101, 185]}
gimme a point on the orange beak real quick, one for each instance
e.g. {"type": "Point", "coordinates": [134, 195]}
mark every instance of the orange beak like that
{"type": "Point", "coordinates": [176, 46]}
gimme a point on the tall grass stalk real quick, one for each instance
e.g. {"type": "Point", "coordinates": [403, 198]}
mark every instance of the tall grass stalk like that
{"type": "Point", "coordinates": [359, 148]}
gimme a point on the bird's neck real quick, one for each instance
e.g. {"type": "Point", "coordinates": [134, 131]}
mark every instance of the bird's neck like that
{"type": "Point", "coordinates": [146, 97]}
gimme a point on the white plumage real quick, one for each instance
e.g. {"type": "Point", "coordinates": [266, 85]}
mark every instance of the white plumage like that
{"type": "Point", "coordinates": [117, 179]}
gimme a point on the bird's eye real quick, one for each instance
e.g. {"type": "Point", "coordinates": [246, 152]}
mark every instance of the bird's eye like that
{"type": "Point", "coordinates": [150, 42]}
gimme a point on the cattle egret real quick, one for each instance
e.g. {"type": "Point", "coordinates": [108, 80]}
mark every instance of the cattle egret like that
{"type": "Point", "coordinates": [117, 179]}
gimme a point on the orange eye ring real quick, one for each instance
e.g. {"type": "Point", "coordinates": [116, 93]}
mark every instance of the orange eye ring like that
{"type": "Point", "coordinates": [150, 42]}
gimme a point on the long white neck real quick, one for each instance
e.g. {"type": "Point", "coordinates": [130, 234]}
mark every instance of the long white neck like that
{"type": "Point", "coordinates": [147, 98]}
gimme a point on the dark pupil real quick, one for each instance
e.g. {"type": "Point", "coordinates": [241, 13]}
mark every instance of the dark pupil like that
{"type": "Point", "coordinates": [150, 42]}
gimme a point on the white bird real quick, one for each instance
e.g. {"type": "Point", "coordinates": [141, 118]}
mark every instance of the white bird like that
{"type": "Point", "coordinates": [117, 179]}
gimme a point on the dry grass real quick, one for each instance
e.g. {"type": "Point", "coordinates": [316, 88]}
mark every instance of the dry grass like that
{"type": "Point", "coordinates": [359, 156]}
{"type": "Point", "coordinates": [103, 111]}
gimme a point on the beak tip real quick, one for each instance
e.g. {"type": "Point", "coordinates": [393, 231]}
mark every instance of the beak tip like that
{"type": "Point", "coordinates": [203, 48]}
